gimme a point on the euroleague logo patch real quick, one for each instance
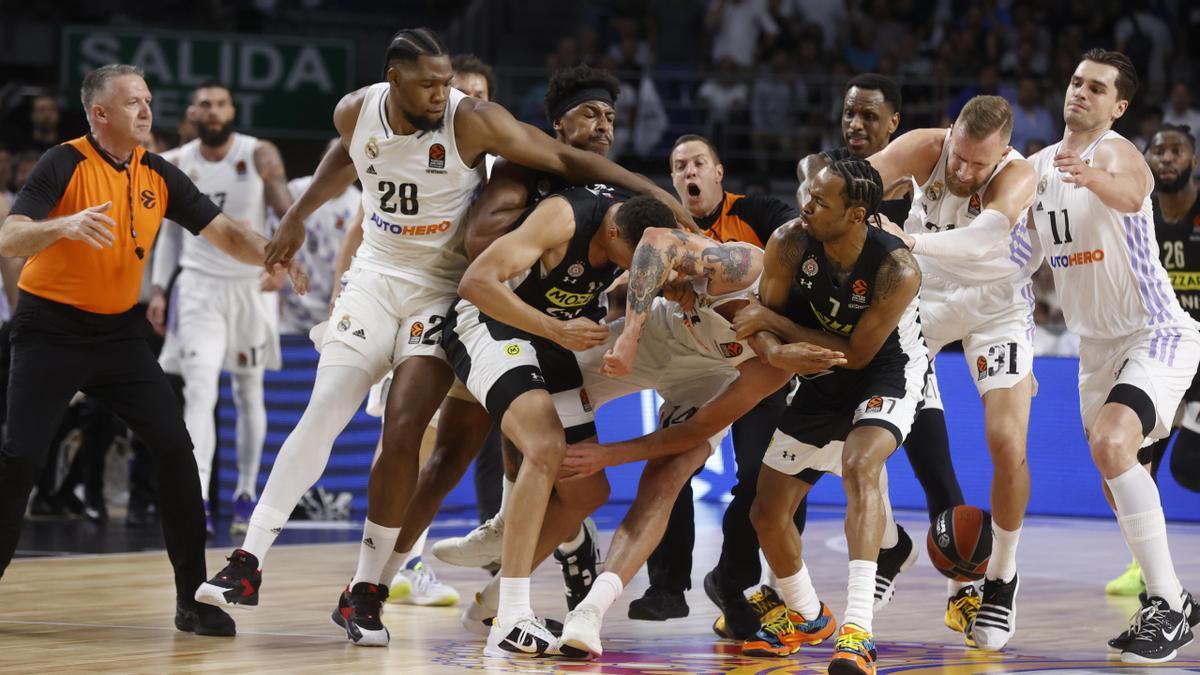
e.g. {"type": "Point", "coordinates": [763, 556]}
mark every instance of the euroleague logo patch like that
{"type": "Point", "coordinates": [437, 156]}
{"type": "Point", "coordinates": [875, 404]}
{"type": "Point", "coordinates": [415, 333]}
{"type": "Point", "coordinates": [731, 350]}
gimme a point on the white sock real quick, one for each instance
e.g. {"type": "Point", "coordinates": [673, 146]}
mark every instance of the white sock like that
{"type": "Point", "coordinates": [514, 601]}
{"type": "Point", "coordinates": [489, 597]}
{"type": "Point", "coordinates": [418, 547]}
{"type": "Point", "coordinates": [251, 429]}
{"type": "Point", "coordinates": [604, 592]}
{"type": "Point", "coordinates": [506, 489]}
{"type": "Point", "coordinates": [569, 547]}
{"type": "Point", "coordinates": [1003, 563]}
{"type": "Point", "coordinates": [768, 575]}
{"type": "Point", "coordinates": [860, 594]}
{"type": "Point", "coordinates": [1141, 516]}
{"type": "Point", "coordinates": [800, 595]}
{"type": "Point", "coordinates": [953, 587]}
{"type": "Point", "coordinates": [265, 525]}
{"type": "Point", "coordinates": [377, 544]}
{"type": "Point", "coordinates": [394, 563]}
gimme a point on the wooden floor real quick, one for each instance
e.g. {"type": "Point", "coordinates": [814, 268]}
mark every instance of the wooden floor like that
{"type": "Point", "coordinates": [113, 613]}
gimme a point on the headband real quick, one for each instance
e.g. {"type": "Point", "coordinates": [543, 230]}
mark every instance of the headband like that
{"type": "Point", "coordinates": [592, 94]}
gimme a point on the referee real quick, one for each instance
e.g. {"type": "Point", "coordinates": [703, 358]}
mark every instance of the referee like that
{"type": "Point", "coordinates": [85, 220]}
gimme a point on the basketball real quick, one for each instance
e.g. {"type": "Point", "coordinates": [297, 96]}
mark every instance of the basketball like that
{"type": "Point", "coordinates": [960, 542]}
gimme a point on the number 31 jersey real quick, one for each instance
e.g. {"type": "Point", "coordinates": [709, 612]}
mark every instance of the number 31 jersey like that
{"type": "Point", "coordinates": [1105, 263]}
{"type": "Point", "coordinates": [416, 192]}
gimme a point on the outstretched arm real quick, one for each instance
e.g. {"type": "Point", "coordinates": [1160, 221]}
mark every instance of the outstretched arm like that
{"type": "Point", "coordinates": [495, 130]}
{"type": "Point", "coordinates": [913, 154]}
{"type": "Point", "coordinates": [1118, 174]}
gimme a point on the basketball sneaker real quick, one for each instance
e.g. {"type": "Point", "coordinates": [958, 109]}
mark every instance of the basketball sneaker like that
{"type": "Point", "coordinates": [525, 637]}
{"type": "Point", "coordinates": [579, 566]}
{"type": "Point", "coordinates": [243, 508]}
{"type": "Point", "coordinates": [416, 584]}
{"type": "Point", "coordinates": [787, 631]}
{"type": "Point", "coordinates": [1160, 632]}
{"type": "Point", "coordinates": [854, 652]}
{"type": "Point", "coordinates": [237, 585]}
{"type": "Point", "coordinates": [891, 562]}
{"type": "Point", "coordinates": [194, 617]}
{"type": "Point", "coordinates": [739, 619]}
{"type": "Point", "coordinates": [478, 548]}
{"type": "Point", "coordinates": [477, 619]}
{"type": "Point", "coordinates": [581, 630]}
{"type": "Point", "coordinates": [961, 610]}
{"type": "Point", "coordinates": [1190, 611]}
{"type": "Point", "coordinates": [359, 612]}
{"type": "Point", "coordinates": [996, 621]}
{"type": "Point", "coordinates": [1130, 582]}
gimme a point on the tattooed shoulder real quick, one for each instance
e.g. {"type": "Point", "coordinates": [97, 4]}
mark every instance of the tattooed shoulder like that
{"type": "Point", "coordinates": [897, 267]}
{"type": "Point", "coordinates": [791, 241]}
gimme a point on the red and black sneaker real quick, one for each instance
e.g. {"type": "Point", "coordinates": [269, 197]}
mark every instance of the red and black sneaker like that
{"type": "Point", "coordinates": [359, 611]}
{"type": "Point", "coordinates": [235, 586]}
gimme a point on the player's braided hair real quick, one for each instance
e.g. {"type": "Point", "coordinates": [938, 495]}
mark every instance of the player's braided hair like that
{"type": "Point", "coordinates": [409, 44]}
{"type": "Point", "coordinates": [863, 185]}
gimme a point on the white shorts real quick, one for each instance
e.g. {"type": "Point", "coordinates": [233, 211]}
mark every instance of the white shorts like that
{"type": "Point", "coordinates": [994, 322]}
{"type": "Point", "coordinates": [686, 379]}
{"type": "Point", "coordinates": [824, 410]}
{"type": "Point", "coordinates": [379, 321]}
{"type": "Point", "coordinates": [498, 363]}
{"type": "Point", "coordinates": [1160, 362]}
{"type": "Point", "coordinates": [220, 323]}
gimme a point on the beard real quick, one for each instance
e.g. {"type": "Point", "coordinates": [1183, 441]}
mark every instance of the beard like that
{"type": "Point", "coordinates": [214, 138]}
{"type": "Point", "coordinates": [423, 123]}
{"type": "Point", "coordinates": [1180, 182]}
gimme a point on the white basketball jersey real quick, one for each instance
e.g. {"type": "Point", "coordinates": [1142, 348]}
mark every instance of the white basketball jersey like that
{"type": "Point", "coordinates": [1105, 263]}
{"type": "Point", "coordinates": [233, 184]}
{"type": "Point", "coordinates": [935, 209]}
{"type": "Point", "coordinates": [705, 330]}
{"type": "Point", "coordinates": [416, 192]}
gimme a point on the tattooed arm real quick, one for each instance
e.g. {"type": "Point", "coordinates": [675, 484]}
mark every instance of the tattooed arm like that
{"type": "Point", "coordinates": [269, 163]}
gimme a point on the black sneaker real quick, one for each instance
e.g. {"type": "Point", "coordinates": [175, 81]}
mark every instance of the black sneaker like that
{"type": "Point", "coordinates": [359, 611]}
{"type": "Point", "coordinates": [1159, 634]}
{"type": "Point", "coordinates": [579, 566]}
{"type": "Point", "coordinates": [996, 621]}
{"type": "Point", "coordinates": [193, 617]}
{"type": "Point", "coordinates": [890, 563]}
{"type": "Point", "coordinates": [236, 585]}
{"type": "Point", "coordinates": [658, 605]}
{"type": "Point", "coordinates": [1123, 640]}
{"type": "Point", "coordinates": [738, 619]}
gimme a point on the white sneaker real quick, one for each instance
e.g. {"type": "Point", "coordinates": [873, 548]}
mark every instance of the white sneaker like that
{"type": "Point", "coordinates": [480, 547]}
{"type": "Point", "coordinates": [525, 637]}
{"type": "Point", "coordinates": [581, 630]}
{"type": "Point", "coordinates": [420, 586]}
{"type": "Point", "coordinates": [996, 622]}
{"type": "Point", "coordinates": [477, 619]}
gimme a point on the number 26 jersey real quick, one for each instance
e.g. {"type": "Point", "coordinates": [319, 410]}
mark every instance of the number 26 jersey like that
{"type": "Point", "coordinates": [1105, 263]}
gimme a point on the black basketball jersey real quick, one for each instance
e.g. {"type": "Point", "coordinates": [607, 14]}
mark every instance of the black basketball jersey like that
{"type": "Point", "coordinates": [819, 302]}
{"type": "Point", "coordinates": [574, 288]}
{"type": "Point", "coordinates": [1179, 249]}
{"type": "Point", "coordinates": [896, 210]}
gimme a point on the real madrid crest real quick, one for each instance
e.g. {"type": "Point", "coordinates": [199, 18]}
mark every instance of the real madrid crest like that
{"type": "Point", "coordinates": [575, 270]}
{"type": "Point", "coordinates": [935, 191]}
{"type": "Point", "coordinates": [372, 149]}
{"type": "Point", "coordinates": [809, 267]}
{"type": "Point", "coordinates": [344, 324]}
{"type": "Point", "coordinates": [1042, 184]}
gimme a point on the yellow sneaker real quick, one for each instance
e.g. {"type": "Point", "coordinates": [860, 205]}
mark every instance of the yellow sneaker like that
{"type": "Point", "coordinates": [1130, 583]}
{"type": "Point", "coordinates": [960, 612]}
{"type": "Point", "coordinates": [854, 652]}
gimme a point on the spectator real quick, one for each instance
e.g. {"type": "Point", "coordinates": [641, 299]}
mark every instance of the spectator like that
{"type": "Point", "coordinates": [723, 94]}
{"type": "Point", "coordinates": [473, 77]}
{"type": "Point", "coordinates": [23, 165]}
{"type": "Point", "coordinates": [1031, 119]}
{"type": "Point", "coordinates": [1148, 125]}
{"type": "Point", "coordinates": [772, 110]}
{"type": "Point", "coordinates": [1179, 110]}
{"type": "Point", "coordinates": [1146, 39]}
{"type": "Point", "coordinates": [862, 53]}
{"type": "Point", "coordinates": [43, 124]}
{"type": "Point", "coordinates": [739, 28]}
{"type": "Point", "coordinates": [828, 14]}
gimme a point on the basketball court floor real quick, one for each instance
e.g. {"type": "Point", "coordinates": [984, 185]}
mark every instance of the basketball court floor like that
{"type": "Point", "coordinates": [113, 612]}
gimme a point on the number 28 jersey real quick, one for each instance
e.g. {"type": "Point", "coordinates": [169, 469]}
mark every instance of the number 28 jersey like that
{"type": "Point", "coordinates": [1105, 263]}
{"type": "Point", "coordinates": [416, 192]}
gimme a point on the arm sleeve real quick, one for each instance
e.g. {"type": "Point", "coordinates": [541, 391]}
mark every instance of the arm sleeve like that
{"type": "Point", "coordinates": [166, 253]}
{"type": "Point", "coordinates": [764, 215]}
{"type": "Point", "coordinates": [47, 183]}
{"type": "Point", "coordinates": [979, 241]}
{"type": "Point", "coordinates": [186, 205]}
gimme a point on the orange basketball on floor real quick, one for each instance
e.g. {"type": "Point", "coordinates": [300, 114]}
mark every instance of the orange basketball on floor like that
{"type": "Point", "coordinates": [960, 542]}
